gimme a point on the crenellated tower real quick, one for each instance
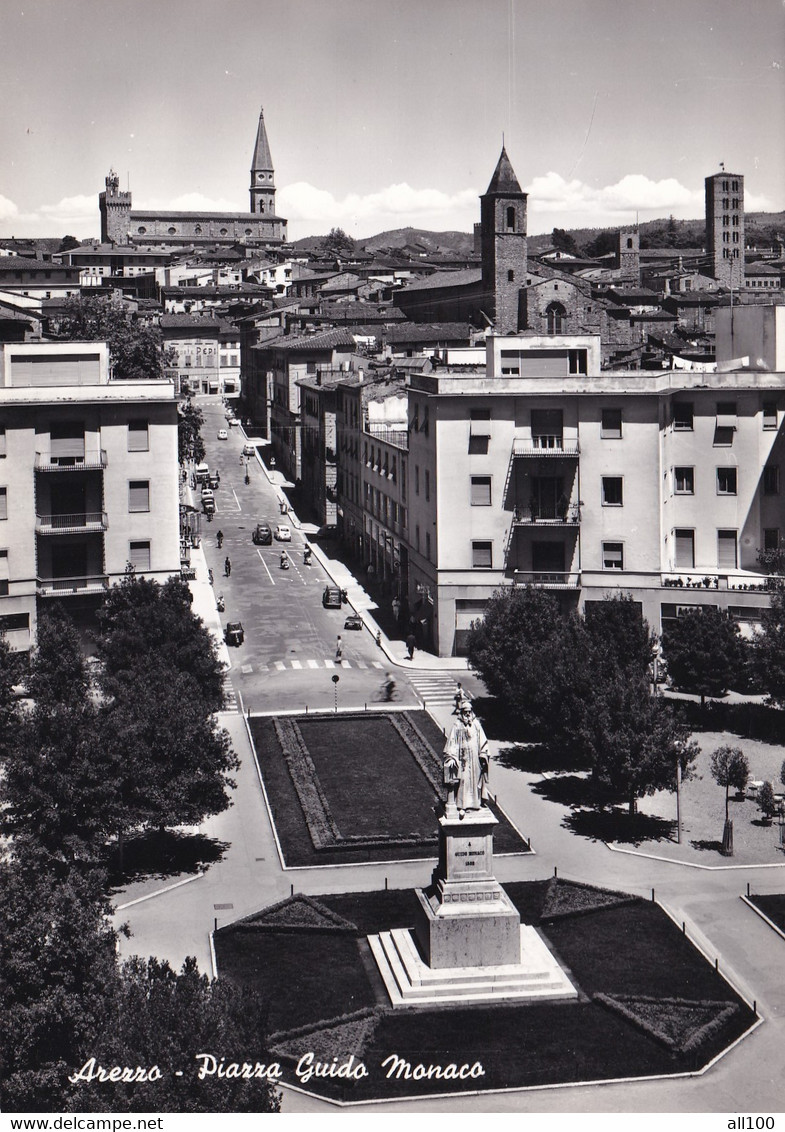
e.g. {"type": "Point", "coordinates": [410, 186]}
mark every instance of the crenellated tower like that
{"type": "Point", "coordinates": [503, 240]}
{"type": "Point", "coordinates": [115, 210]}
{"type": "Point", "coordinates": [262, 173]}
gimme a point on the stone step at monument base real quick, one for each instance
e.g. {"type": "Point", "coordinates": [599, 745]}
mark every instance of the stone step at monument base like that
{"type": "Point", "coordinates": [410, 982]}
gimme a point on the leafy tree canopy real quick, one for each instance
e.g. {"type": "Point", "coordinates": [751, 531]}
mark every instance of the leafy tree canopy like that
{"type": "Point", "coordinates": [67, 243]}
{"type": "Point", "coordinates": [190, 445]}
{"type": "Point", "coordinates": [564, 242]}
{"type": "Point", "coordinates": [729, 767]}
{"type": "Point", "coordinates": [603, 244]}
{"type": "Point", "coordinates": [136, 349]}
{"type": "Point", "coordinates": [338, 242]}
{"type": "Point", "coordinates": [770, 649]}
{"type": "Point", "coordinates": [704, 651]}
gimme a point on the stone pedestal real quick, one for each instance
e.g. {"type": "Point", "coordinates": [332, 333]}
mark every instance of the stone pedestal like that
{"type": "Point", "coordinates": [465, 918]}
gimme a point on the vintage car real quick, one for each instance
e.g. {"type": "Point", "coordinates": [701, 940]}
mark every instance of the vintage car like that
{"type": "Point", "coordinates": [331, 598]}
{"type": "Point", "coordinates": [201, 473]}
{"type": "Point", "coordinates": [283, 533]}
{"type": "Point", "coordinates": [353, 621]}
{"type": "Point", "coordinates": [234, 633]}
{"type": "Point", "coordinates": [223, 434]}
{"type": "Point", "coordinates": [249, 450]}
{"type": "Point", "coordinates": [262, 535]}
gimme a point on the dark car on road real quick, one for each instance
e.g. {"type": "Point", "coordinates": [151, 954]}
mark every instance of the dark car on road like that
{"type": "Point", "coordinates": [353, 621]}
{"type": "Point", "coordinates": [234, 633]}
{"type": "Point", "coordinates": [331, 598]}
{"type": "Point", "coordinates": [262, 535]}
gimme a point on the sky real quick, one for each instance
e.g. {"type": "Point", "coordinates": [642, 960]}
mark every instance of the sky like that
{"type": "Point", "coordinates": [387, 113]}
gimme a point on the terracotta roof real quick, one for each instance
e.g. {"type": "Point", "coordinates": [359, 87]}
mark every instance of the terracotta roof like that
{"type": "Point", "coordinates": [428, 332]}
{"type": "Point", "coordinates": [445, 279]}
{"type": "Point", "coordinates": [326, 340]}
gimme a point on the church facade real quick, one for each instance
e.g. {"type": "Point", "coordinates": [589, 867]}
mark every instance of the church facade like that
{"type": "Point", "coordinates": [123, 225]}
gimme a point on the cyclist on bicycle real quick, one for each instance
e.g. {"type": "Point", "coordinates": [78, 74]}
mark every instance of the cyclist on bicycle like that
{"type": "Point", "coordinates": [388, 687]}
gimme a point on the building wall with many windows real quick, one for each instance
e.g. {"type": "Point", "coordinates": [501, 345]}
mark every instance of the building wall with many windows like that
{"type": "Point", "coordinates": [88, 481]}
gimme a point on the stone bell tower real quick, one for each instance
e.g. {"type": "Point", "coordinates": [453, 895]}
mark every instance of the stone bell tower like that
{"type": "Point", "coordinates": [262, 173]}
{"type": "Point", "coordinates": [115, 209]}
{"type": "Point", "coordinates": [503, 242]}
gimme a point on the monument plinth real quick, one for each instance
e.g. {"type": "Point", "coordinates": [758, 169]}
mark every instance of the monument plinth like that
{"type": "Point", "coordinates": [465, 918]}
{"type": "Point", "coordinates": [468, 943]}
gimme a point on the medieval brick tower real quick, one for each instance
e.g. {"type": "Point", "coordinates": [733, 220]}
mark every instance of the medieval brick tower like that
{"type": "Point", "coordinates": [503, 240]}
{"type": "Point", "coordinates": [725, 228]}
{"type": "Point", "coordinates": [628, 256]}
{"type": "Point", "coordinates": [115, 209]}
{"type": "Point", "coordinates": [262, 173]}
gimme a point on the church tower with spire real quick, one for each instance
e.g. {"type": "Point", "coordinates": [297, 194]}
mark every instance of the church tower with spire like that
{"type": "Point", "coordinates": [262, 173]}
{"type": "Point", "coordinates": [503, 246]}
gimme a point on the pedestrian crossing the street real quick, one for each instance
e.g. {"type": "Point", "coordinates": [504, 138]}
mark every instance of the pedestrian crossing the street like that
{"type": "Point", "coordinates": [298, 665]}
{"type": "Point", "coordinates": [434, 688]}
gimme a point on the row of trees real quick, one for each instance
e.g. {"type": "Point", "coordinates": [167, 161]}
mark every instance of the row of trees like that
{"type": "Point", "coordinates": [583, 684]}
{"type": "Point", "coordinates": [706, 654]}
{"type": "Point", "coordinates": [92, 755]}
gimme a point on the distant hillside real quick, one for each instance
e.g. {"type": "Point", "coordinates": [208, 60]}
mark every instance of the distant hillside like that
{"type": "Point", "coordinates": [761, 228]}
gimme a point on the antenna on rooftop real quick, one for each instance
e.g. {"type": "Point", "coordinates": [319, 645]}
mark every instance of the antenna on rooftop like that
{"type": "Point", "coordinates": [722, 166]}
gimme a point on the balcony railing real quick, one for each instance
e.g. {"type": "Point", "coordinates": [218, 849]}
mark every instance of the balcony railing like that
{"type": "Point", "coordinates": [90, 461]}
{"type": "Point", "coordinates": [79, 523]}
{"type": "Point", "coordinates": [63, 587]}
{"type": "Point", "coordinates": [546, 516]}
{"type": "Point", "coordinates": [553, 579]}
{"type": "Point", "coordinates": [545, 445]}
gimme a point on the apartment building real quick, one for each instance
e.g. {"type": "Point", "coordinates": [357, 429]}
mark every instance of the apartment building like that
{"type": "Point", "coordinates": [542, 469]}
{"type": "Point", "coordinates": [88, 481]}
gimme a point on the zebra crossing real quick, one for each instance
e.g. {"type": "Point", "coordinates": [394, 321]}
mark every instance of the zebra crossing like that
{"type": "Point", "coordinates": [435, 689]}
{"type": "Point", "coordinates": [230, 699]}
{"type": "Point", "coordinates": [296, 665]}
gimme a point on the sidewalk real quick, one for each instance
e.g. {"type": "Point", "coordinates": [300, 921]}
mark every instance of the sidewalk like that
{"type": "Point", "coordinates": [360, 600]}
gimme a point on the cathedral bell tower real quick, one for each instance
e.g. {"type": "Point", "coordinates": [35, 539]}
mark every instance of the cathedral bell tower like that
{"type": "Point", "coordinates": [115, 209]}
{"type": "Point", "coordinates": [503, 243]}
{"type": "Point", "coordinates": [262, 173]}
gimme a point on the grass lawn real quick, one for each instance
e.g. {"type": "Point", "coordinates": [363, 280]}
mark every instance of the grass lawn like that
{"type": "Point", "coordinates": [639, 979]}
{"type": "Point", "coordinates": [360, 786]}
{"type": "Point", "coordinates": [771, 905]}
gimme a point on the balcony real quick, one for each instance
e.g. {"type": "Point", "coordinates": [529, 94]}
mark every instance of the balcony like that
{"type": "Point", "coordinates": [87, 461]}
{"type": "Point", "coordinates": [550, 579]}
{"type": "Point", "coordinates": [63, 587]}
{"type": "Point", "coordinates": [85, 523]}
{"type": "Point", "coordinates": [546, 517]}
{"type": "Point", "coordinates": [545, 445]}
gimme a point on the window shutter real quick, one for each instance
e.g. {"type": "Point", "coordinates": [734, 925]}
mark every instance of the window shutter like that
{"type": "Point", "coordinates": [139, 495]}
{"type": "Point", "coordinates": [139, 555]}
{"type": "Point", "coordinates": [685, 549]}
{"type": "Point", "coordinates": [726, 549]}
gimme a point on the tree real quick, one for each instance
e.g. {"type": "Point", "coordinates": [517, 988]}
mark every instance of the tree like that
{"type": "Point", "coordinates": [190, 445]}
{"type": "Point", "coordinates": [167, 1019]}
{"type": "Point", "coordinates": [767, 801]}
{"type": "Point", "coordinates": [704, 651]}
{"type": "Point", "coordinates": [632, 739]}
{"type": "Point", "coordinates": [67, 243]}
{"type": "Point", "coordinates": [136, 349]}
{"type": "Point", "coordinates": [604, 243]}
{"type": "Point", "coordinates": [58, 782]}
{"type": "Point", "coordinates": [338, 243]}
{"type": "Point", "coordinates": [769, 649]}
{"type": "Point", "coordinates": [618, 631]}
{"type": "Point", "coordinates": [729, 767]}
{"type": "Point", "coordinates": [57, 980]}
{"type": "Point", "coordinates": [564, 242]}
{"type": "Point", "coordinates": [508, 647]}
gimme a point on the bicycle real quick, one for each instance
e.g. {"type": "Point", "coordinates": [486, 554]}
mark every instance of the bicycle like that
{"type": "Point", "coordinates": [386, 693]}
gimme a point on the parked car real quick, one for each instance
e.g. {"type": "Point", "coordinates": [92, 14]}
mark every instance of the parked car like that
{"type": "Point", "coordinates": [201, 473]}
{"type": "Point", "coordinates": [207, 493]}
{"type": "Point", "coordinates": [353, 621]}
{"type": "Point", "coordinates": [223, 434]}
{"type": "Point", "coordinates": [233, 421]}
{"type": "Point", "coordinates": [249, 450]}
{"type": "Point", "coordinates": [214, 480]}
{"type": "Point", "coordinates": [208, 505]}
{"type": "Point", "coordinates": [283, 533]}
{"type": "Point", "coordinates": [262, 535]}
{"type": "Point", "coordinates": [331, 598]}
{"type": "Point", "coordinates": [234, 633]}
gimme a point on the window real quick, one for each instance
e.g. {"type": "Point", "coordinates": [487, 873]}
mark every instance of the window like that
{"type": "Point", "coordinates": [612, 491]}
{"type": "Point", "coordinates": [138, 439]}
{"type": "Point", "coordinates": [478, 445]}
{"type": "Point", "coordinates": [3, 573]}
{"type": "Point", "coordinates": [771, 479]}
{"type": "Point", "coordinates": [771, 538]}
{"type": "Point", "coordinates": [684, 481]}
{"type": "Point", "coordinates": [726, 549]}
{"type": "Point", "coordinates": [2, 443]}
{"type": "Point", "coordinates": [769, 414]}
{"type": "Point", "coordinates": [611, 424]}
{"type": "Point", "coordinates": [726, 414]}
{"type": "Point", "coordinates": [511, 219]}
{"type": "Point", "coordinates": [578, 360]}
{"type": "Point", "coordinates": [3, 502]}
{"type": "Point", "coordinates": [428, 545]}
{"type": "Point", "coordinates": [139, 555]}
{"type": "Point", "coordinates": [139, 495]}
{"type": "Point", "coordinates": [555, 314]}
{"type": "Point", "coordinates": [510, 276]}
{"type": "Point", "coordinates": [726, 481]}
{"type": "Point", "coordinates": [682, 416]}
{"type": "Point", "coordinates": [482, 555]}
{"type": "Point", "coordinates": [613, 556]}
{"type": "Point", "coordinates": [685, 549]}
{"type": "Point", "coordinates": [416, 479]}
{"type": "Point", "coordinates": [427, 486]}
{"type": "Point", "coordinates": [417, 537]}
{"type": "Point", "coordinates": [481, 491]}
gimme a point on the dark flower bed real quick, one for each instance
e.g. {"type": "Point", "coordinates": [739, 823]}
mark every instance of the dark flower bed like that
{"type": "Point", "coordinates": [649, 1003]}
{"type": "Point", "coordinates": [359, 786]}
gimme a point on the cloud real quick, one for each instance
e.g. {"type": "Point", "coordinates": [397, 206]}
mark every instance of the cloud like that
{"type": "Point", "coordinates": [314, 211]}
{"type": "Point", "coordinates": [8, 210]}
{"type": "Point", "coordinates": [633, 193]}
{"type": "Point", "coordinates": [71, 210]}
{"type": "Point", "coordinates": [188, 202]}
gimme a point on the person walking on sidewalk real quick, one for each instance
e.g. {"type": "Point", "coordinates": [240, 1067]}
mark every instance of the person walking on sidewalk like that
{"type": "Point", "coordinates": [338, 649]}
{"type": "Point", "coordinates": [227, 566]}
{"type": "Point", "coordinates": [411, 644]}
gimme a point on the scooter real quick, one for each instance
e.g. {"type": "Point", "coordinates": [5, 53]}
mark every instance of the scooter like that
{"type": "Point", "coordinates": [307, 556]}
{"type": "Point", "coordinates": [220, 604]}
{"type": "Point", "coordinates": [284, 561]}
{"type": "Point", "coordinates": [219, 538]}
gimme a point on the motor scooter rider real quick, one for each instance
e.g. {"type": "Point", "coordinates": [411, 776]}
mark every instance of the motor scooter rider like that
{"type": "Point", "coordinates": [307, 555]}
{"type": "Point", "coordinates": [219, 538]}
{"type": "Point", "coordinates": [284, 560]}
